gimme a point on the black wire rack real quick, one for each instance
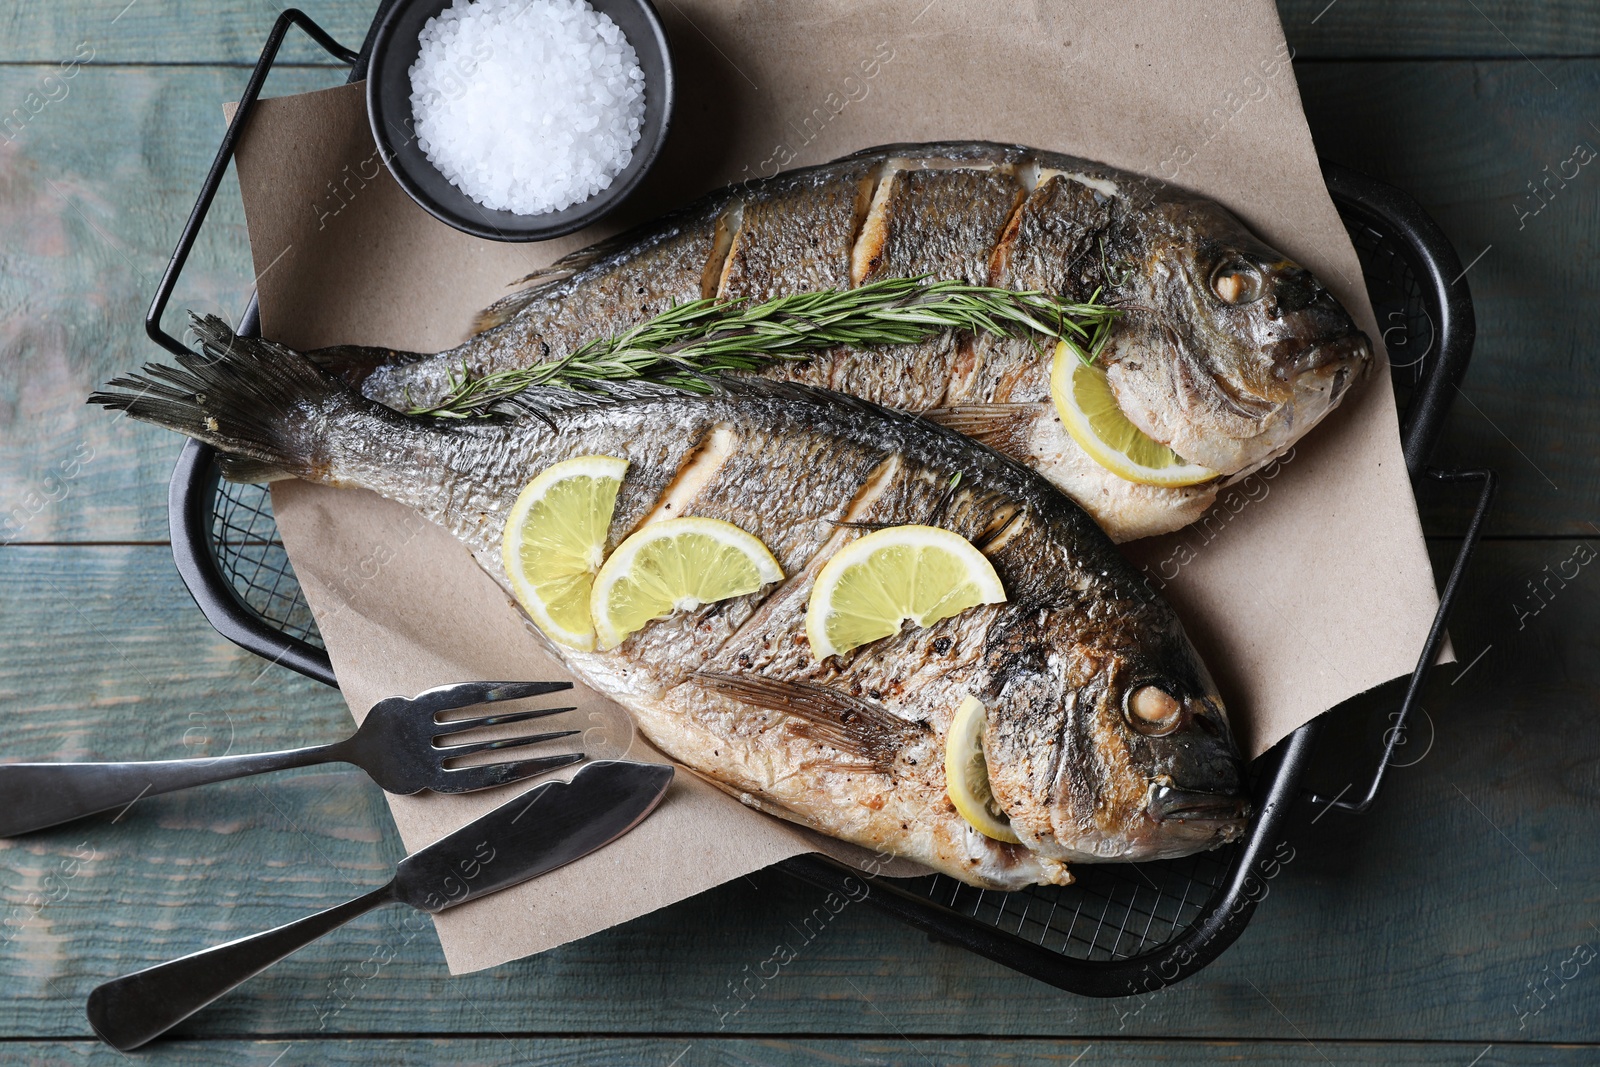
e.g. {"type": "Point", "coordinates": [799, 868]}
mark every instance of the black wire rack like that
{"type": "Point", "coordinates": [1120, 929]}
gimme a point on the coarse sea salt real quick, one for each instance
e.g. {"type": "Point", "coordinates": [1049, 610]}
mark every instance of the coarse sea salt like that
{"type": "Point", "coordinates": [527, 106]}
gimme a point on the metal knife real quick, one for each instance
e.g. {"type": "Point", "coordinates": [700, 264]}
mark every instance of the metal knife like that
{"type": "Point", "coordinates": [547, 827]}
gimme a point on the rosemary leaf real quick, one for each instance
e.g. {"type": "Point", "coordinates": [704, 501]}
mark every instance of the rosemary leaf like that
{"type": "Point", "coordinates": [686, 344]}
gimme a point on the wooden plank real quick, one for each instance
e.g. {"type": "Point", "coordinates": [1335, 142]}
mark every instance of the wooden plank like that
{"type": "Point", "coordinates": [1359, 29]}
{"type": "Point", "coordinates": [1441, 915]}
{"type": "Point", "coordinates": [185, 31]}
{"type": "Point", "coordinates": [697, 1051]}
{"type": "Point", "coordinates": [95, 190]}
{"type": "Point", "coordinates": [97, 211]}
{"type": "Point", "coordinates": [231, 31]}
{"type": "Point", "coordinates": [1466, 140]}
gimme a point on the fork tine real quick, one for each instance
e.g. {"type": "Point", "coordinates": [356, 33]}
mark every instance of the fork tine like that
{"type": "Point", "coordinates": [457, 751]}
{"type": "Point", "coordinates": [461, 726]}
{"type": "Point", "coordinates": [471, 779]}
{"type": "Point", "coordinates": [462, 694]}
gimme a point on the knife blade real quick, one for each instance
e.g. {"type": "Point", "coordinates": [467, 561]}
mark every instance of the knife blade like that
{"type": "Point", "coordinates": [546, 827]}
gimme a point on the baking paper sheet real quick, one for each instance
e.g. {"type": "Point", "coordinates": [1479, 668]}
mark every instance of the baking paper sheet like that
{"type": "Point", "coordinates": [1306, 585]}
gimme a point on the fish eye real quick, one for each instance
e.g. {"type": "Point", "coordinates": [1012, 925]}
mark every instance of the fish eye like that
{"type": "Point", "coordinates": [1153, 711]}
{"type": "Point", "coordinates": [1236, 282]}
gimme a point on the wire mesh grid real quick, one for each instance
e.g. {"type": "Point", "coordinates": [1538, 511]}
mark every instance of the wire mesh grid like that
{"type": "Point", "coordinates": [1112, 911]}
{"type": "Point", "coordinates": [252, 559]}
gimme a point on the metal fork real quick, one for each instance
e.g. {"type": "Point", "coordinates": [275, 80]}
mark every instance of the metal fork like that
{"type": "Point", "coordinates": [397, 745]}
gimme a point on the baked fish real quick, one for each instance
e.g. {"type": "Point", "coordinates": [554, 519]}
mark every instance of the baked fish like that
{"type": "Point", "coordinates": [1227, 352]}
{"type": "Point", "coordinates": [1104, 736]}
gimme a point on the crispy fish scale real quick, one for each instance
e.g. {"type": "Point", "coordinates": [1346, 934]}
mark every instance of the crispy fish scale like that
{"type": "Point", "coordinates": [1047, 244]}
{"type": "Point", "coordinates": [614, 295]}
{"type": "Point", "coordinates": [893, 796]}
{"type": "Point", "coordinates": [617, 285]}
{"type": "Point", "coordinates": [917, 376]}
{"type": "Point", "coordinates": [1052, 240]}
{"type": "Point", "coordinates": [794, 236]}
{"type": "Point", "coordinates": [826, 227]}
{"type": "Point", "coordinates": [822, 477]}
{"type": "Point", "coordinates": [941, 222]}
{"type": "Point", "coordinates": [883, 781]}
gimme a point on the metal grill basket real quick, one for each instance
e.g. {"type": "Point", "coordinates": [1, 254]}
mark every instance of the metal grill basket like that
{"type": "Point", "coordinates": [1121, 928]}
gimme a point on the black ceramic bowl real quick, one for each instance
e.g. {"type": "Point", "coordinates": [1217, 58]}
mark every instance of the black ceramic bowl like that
{"type": "Point", "coordinates": [395, 48]}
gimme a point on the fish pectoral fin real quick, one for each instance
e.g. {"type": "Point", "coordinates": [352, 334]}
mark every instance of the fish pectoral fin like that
{"type": "Point", "coordinates": [1006, 428]}
{"type": "Point", "coordinates": [859, 728]}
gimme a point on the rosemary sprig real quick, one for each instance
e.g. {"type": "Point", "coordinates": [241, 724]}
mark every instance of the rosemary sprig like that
{"type": "Point", "coordinates": [687, 343]}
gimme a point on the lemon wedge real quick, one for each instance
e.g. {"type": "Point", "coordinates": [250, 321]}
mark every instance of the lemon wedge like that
{"type": "Point", "coordinates": [966, 774]}
{"type": "Point", "coordinates": [877, 583]}
{"type": "Point", "coordinates": [554, 541]}
{"type": "Point", "coordinates": [675, 565]}
{"type": "Point", "coordinates": [1088, 408]}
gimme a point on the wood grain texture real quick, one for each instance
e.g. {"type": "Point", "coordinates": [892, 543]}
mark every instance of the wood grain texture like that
{"type": "Point", "coordinates": [94, 189]}
{"type": "Point", "coordinates": [1450, 918]}
{"type": "Point", "coordinates": [210, 32]}
{"type": "Point", "coordinates": [1438, 916]}
{"type": "Point", "coordinates": [1466, 140]}
{"type": "Point", "coordinates": [231, 31]}
{"type": "Point", "coordinates": [1382, 28]}
{"type": "Point", "coordinates": [669, 1051]}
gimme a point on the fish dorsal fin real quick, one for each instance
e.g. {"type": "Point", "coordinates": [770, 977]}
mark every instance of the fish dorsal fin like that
{"type": "Point", "coordinates": [569, 266]}
{"type": "Point", "coordinates": [862, 729]}
{"type": "Point", "coordinates": [1003, 427]}
{"type": "Point", "coordinates": [600, 392]}
{"type": "Point", "coordinates": [544, 279]}
{"type": "Point", "coordinates": [545, 402]}
{"type": "Point", "coordinates": [969, 420]}
{"type": "Point", "coordinates": [506, 308]}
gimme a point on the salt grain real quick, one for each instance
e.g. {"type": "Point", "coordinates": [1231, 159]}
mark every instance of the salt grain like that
{"type": "Point", "coordinates": [527, 106]}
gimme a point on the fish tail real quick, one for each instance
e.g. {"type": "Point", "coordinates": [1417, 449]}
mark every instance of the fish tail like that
{"type": "Point", "coordinates": [258, 403]}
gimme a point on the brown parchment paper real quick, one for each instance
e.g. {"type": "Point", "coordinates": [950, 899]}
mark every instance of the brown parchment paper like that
{"type": "Point", "coordinates": [1306, 585]}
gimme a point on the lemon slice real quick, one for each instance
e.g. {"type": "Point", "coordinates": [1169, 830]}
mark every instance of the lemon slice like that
{"type": "Point", "coordinates": [673, 565]}
{"type": "Point", "coordinates": [1088, 408]}
{"type": "Point", "coordinates": [554, 541]}
{"type": "Point", "coordinates": [966, 774]}
{"type": "Point", "coordinates": [877, 583]}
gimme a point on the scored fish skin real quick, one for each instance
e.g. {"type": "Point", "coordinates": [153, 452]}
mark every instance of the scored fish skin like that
{"type": "Point", "coordinates": [852, 746]}
{"type": "Point", "coordinates": [1229, 386]}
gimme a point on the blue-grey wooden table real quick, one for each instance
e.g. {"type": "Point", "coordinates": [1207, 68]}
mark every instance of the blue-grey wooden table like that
{"type": "Point", "coordinates": [1454, 925]}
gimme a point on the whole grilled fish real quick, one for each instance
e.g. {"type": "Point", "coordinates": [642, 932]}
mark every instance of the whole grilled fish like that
{"type": "Point", "coordinates": [1106, 738]}
{"type": "Point", "coordinates": [1228, 352]}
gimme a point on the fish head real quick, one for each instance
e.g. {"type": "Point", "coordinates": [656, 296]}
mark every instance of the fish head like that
{"type": "Point", "coordinates": [1229, 351]}
{"type": "Point", "coordinates": [1115, 750]}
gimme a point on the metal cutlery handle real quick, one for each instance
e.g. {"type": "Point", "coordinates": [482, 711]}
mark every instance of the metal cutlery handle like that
{"type": "Point", "coordinates": [36, 795]}
{"type": "Point", "coordinates": [129, 1011]}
